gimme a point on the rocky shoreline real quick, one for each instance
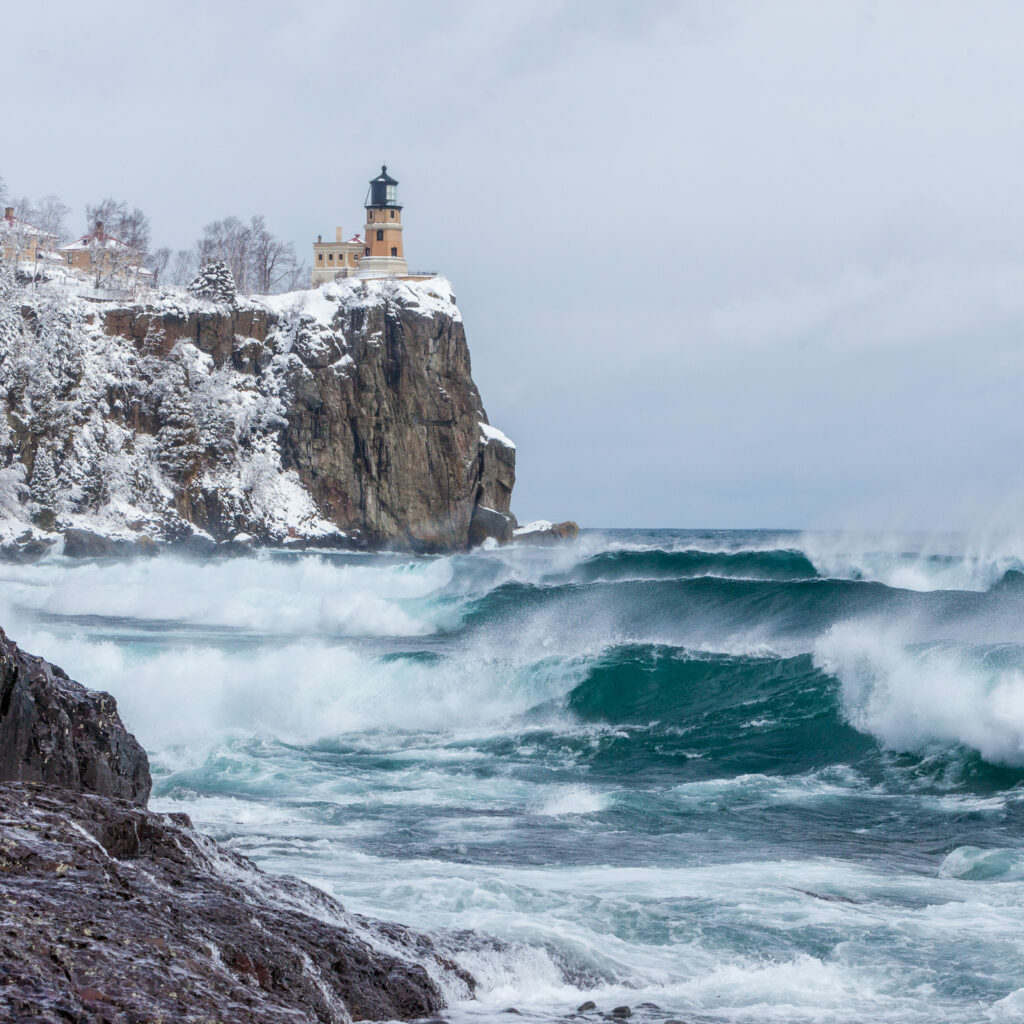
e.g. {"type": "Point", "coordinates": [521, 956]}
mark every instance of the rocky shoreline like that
{"type": "Point", "coordinates": [112, 913]}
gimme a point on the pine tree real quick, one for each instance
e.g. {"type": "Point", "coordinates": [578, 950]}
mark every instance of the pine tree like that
{"type": "Point", "coordinates": [214, 282]}
{"type": "Point", "coordinates": [43, 489]}
{"type": "Point", "coordinates": [178, 437]}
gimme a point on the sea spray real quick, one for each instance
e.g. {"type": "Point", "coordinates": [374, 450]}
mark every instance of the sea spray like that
{"type": "Point", "coordinates": [743, 776]}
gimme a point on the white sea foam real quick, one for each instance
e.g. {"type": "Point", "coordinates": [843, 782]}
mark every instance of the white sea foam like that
{"type": "Point", "coordinates": [303, 595]}
{"type": "Point", "coordinates": [574, 800]}
{"type": "Point", "coordinates": [919, 562]}
{"type": "Point", "coordinates": [912, 698]}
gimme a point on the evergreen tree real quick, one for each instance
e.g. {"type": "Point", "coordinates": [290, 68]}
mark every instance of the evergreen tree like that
{"type": "Point", "coordinates": [43, 489]}
{"type": "Point", "coordinates": [214, 282]}
{"type": "Point", "coordinates": [11, 322]}
{"type": "Point", "coordinates": [178, 437]}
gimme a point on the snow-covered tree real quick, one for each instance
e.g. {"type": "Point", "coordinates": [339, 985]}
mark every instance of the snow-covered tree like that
{"type": "Point", "coordinates": [11, 321]}
{"type": "Point", "coordinates": [257, 258]}
{"type": "Point", "coordinates": [215, 281]}
{"type": "Point", "coordinates": [13, 491]}
{"type": "Point", "coordinates": [178, 437]}
{"type": "Point", "coordinates": [45, 503]}
{"type": "Point", "coordinates": [230, 241]}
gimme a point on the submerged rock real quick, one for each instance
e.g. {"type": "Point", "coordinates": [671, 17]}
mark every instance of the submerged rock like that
{"type": "Point", "coordinates": [543, 532]}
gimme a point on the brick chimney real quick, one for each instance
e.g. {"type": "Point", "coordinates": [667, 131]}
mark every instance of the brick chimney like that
{"type": "Point", "coordinates": [8, 213]}
{"type": "Point", "coordinates": [339, 235]}
{"type": "Point", "coordinates": [99, 230]}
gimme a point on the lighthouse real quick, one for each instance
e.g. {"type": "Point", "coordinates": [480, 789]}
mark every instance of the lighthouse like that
{"type": "Point", "coordinates": [382, 252]}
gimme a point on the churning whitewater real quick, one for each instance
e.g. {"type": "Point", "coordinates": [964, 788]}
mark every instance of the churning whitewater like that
{"type": "Point", "coordinates": [748, 777]}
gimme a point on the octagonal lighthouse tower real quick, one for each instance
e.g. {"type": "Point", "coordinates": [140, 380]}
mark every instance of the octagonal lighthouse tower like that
{"type": "Point", "coordinates": [383, 247]}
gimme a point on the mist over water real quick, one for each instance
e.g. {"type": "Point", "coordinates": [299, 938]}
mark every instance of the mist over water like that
{"type": "Point", "coordinates": [745, 776]}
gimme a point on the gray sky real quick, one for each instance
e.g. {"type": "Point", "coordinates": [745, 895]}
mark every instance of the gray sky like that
{"type": "Point", "coordinates": [721, 264]}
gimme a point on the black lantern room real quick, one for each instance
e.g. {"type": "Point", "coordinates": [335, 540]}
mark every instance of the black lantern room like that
{"type": "Point", "coordinates": [383, 191]}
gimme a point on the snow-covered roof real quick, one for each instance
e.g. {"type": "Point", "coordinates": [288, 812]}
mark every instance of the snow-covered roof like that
{"type": "Point", "coordinates": [12, 225]}
{"type": "Point", "coordinates": [87, 242]}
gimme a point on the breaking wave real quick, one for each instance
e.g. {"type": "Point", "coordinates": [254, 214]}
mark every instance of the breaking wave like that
{"type": "Point", "coordinates": [745, 776]}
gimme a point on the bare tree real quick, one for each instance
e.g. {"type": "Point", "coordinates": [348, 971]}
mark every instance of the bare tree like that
{"type": "Point", "coordinates": [231, 241]}
{"type": "Point", "coordinates": [273, 258]}
{"type": "Point", "coordinates": [49, 216]}
{"type": "Point", "coordinates": [183, 267]}
{"type": "Point", "coordinates": [258, 259]}
{"type": "Point", "coordinates": [297, 277]}
{"type": "Point", "coordinates": [157, 262]}
{"type": "Point", "coordinates": [130, 226]}
{"type": "Point", "coordinates": [118, 240]}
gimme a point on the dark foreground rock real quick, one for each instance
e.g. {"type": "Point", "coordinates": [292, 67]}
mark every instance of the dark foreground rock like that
{"type": "Point", "coordinates": [109, 912]}
{"type": "Point", "coordinates": [113, 913]}
{"type": "Point", "coordinates": [54, 730]}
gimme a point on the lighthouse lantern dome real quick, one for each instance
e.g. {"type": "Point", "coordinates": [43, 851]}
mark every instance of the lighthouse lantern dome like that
{"type": "Point", "coordinates": [383, 191]}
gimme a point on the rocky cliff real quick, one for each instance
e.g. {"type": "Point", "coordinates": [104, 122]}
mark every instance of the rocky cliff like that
{"type": "Point", "coordinates": [346, 415]}
{"type": "Point", "coordinates": [112, 913]}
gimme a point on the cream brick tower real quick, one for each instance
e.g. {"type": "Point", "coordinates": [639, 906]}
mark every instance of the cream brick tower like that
{"type": "Point", "coordinates": [382, 253]}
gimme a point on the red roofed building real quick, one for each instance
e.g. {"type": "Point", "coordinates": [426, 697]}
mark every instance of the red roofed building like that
{"type": "Point", "coordinates": [23, 241]}
{"type": "Point", "coordinates": [106, 259]}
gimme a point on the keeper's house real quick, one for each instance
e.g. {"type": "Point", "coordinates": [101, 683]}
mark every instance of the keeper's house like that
{"type": "Point", "coordinates": [104, 257]}
{"type": "Point", "coordinates": [21, 241]}
{"type": "Point", "coordinates": [379, 253]}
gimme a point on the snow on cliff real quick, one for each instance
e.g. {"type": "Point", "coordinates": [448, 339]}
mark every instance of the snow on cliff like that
{"type": "Point", "coordinates": [181, 416]}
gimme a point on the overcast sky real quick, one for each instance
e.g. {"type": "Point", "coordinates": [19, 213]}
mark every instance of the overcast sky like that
{"type": "Point", "coordinates": [721, 264]}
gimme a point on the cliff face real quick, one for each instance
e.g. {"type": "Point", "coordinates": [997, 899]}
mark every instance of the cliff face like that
{"type": "Point", "coordinates": [344, 415]}
{"type": "Point", "coordinates": [110, 912]}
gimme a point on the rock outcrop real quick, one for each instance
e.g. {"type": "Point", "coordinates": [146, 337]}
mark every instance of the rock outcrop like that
{"type": "Point", "coordinates": [346, 415]}
{"type": "Point", "coordinates": [543, 532]}
{"type": "Point", "coordinates": [54, 730]}
{"type": "Point", "coordinates": [113, 913]}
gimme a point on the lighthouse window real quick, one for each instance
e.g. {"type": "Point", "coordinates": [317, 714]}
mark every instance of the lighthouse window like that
{"type": "Point", "coordinates": [394, 250]}
{"type": "Point", "coordinates": [392, 192]}
{"type": "Point", "coordinates": [380, 236]}
{"type": "Point", "coordinates": [392, 214]}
